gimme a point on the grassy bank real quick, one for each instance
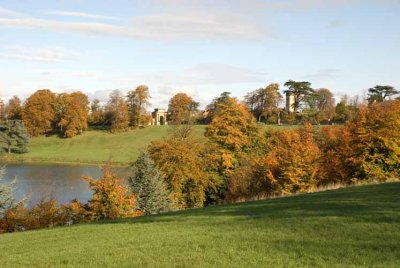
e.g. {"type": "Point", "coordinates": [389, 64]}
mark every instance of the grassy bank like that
{"type": "Point", "coordinates": [93, 147]}
{"type": "Point", "coordinates": [98, 146]}
{"type": "Point", "coordinates": [353, 227]}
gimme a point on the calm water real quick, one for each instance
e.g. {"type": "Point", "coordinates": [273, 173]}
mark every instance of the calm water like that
{"type": "Point", "coordinates": [63, 182]}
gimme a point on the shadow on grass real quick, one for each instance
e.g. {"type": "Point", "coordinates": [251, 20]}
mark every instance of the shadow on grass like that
{"type": "Point", "coordinates": [373, 203]}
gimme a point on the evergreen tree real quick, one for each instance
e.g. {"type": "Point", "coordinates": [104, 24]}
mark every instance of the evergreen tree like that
{"type": "Point", "coordinates": [6, 195]}
{"type": "Point", "coordinates": [14, 133]}
{"type": "Point", "coordinates": [148, 184]}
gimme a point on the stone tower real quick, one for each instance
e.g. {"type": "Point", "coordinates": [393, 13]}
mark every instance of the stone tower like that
{"type": "Point", "coordinates": [290, 102]}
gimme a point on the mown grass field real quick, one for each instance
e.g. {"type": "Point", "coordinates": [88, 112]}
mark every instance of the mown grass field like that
{"type": "Point", "coordinates": [94, 146]}
{"type": "Point", "coordinates": [97, 146]}
{"type": "Point", "coordinates": [353, 227]}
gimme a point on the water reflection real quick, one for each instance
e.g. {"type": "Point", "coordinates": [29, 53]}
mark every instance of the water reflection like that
{"type": "Point", "coordinates": [63, 182]}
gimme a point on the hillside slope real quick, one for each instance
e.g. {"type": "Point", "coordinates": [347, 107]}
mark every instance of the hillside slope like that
{"type": "Point", "coordinates": [353, 227]}
{"type": "Point", "coordinates": [95, 146]}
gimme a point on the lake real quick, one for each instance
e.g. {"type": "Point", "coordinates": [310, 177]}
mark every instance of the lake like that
{"type": "Point", "coordinates": [63, 182]}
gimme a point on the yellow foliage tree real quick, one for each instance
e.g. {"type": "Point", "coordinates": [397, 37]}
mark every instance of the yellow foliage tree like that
{"type": "Point", "coordinates": [234, 131]}
{"type": "Point", "coordinates": [180, 159]}
{"type": "Point", "coordinates": [110, 198]}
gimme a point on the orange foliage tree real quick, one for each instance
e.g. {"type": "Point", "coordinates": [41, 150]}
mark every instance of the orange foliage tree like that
{"type": "Point", "coordinates": [180, 159]}
{"type": "Point", "coordinates": [74, 119]}
{"type": "Point", "coordinates": [234, 131]}
{"type": "Point", "coordinates": [39, 112]}
{"type": "Point", "coordinates": [291, 164]}
{"type": "Point", "coordinates": [13, 109]}
{"type": "Point", "coordinates": [376, 141]}
{"type": "Point", "coordinates": [110, 198]}
{"type": "Point", "coordinates": [181, 108]}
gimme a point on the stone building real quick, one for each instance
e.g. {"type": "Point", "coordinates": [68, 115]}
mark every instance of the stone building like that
{"type": "Point", "coordinates": [290, 99]}
{"type": "Point", "coordinates": [159, 117]}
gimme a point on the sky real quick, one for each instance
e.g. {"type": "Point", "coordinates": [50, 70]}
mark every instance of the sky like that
{"type": "Point", "coordinates": [200, 47]}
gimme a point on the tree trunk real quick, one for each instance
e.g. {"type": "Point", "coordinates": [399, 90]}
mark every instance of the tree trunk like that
{"type": "Point", "coordinates": [9, 149]}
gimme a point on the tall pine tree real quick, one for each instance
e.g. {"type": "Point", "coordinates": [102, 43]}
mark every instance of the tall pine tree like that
{"type": "Point", "coordinates": [148, 184]}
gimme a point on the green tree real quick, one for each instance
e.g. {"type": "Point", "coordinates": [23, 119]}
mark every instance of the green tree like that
{"type": "Point", "coordinates": [149, 186]}
{"type": "Point", "coordinates": [6, 194]}
{"type": "Point", "coordinates": [301, 91]}
{"type": "Point", "coordinates": [381, 93]}
{"type": "Point", "coordinates": [13, 133]}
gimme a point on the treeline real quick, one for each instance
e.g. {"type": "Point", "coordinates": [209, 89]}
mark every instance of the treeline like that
{"type": "Point", "coordinates": [306, 104]}
{"type": "Point", "coordinates": [237, 160]}
{"type": "Point", "coordinates": [70, 114]}
{"type": "Point", "coordinates": [241, 161]}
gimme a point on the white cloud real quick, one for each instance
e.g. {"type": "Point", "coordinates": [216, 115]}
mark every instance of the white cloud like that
{"type": "Point", "coordinates": [67, 73]}
{"type": "Point", "coordinates": [79, 14]}
{"type": "Point", "coordinates": [200, 74]}
{"type": "Point", "coordinates": [4, 12]}
{"type": "Point", "coordinates": [157, 26]}
{"type": "Point", "coordinates": [49, 55]}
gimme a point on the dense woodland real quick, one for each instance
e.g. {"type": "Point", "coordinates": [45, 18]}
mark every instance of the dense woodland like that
{"type": "Point", "coordinates": [237, 160]}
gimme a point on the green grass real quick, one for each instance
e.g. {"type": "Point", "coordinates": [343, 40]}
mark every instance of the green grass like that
{"type": "Point", "coordinates": [353, 227]}
{"type": "Point", "coordinates": [99, 146]}
{"type": "Point", "coordinates": [94, 146]}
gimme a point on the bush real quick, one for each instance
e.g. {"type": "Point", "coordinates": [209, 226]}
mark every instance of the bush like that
{"type": "Point", "coordinates": [110, 198]}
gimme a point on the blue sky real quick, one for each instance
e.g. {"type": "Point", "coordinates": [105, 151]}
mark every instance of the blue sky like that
{"type": "Point", "coordinates": [201, 47]}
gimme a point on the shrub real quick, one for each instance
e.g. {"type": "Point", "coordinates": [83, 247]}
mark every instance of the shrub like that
{"type": "Point", "coordinates": [110, 198]}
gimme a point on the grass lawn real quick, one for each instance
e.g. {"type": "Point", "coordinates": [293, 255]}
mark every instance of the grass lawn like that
{"type": "Point", "coordinates": [353, 227]}
{"type": "Point", "coordinates": [95, 146]}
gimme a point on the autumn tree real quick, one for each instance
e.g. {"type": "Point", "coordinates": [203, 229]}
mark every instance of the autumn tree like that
{"type": "Point", "coordinates": [110, 198]}
{"type": "Point", "coordinates": [292, 164]}
{"type": "Point", "coordinates": [181, 108]}
{"type": "Point", "coordinates": [234, 131]}
{"type": "Point", "coordinates": [302, 93]}
{"type": "Point", "coordinates": [264, 102]}
{"type": "Point", "coordinates": [39, 112]}
{"type": "Point", "coordinates": [14, 134]}
{"type": "Point", "coordinates": [326, 105]}
{"type": "Point", "coordinates": [97, 116]}
{"type": "Point", "coordinates": [2, 110]}
{"type": "Point", "coordinates": [381, 93]}
{"type": "Point", "coordinates": [138, 100]}
{"type": "Point", "coordinates": [149, 186]}
{"type": "Point", "coordinates": [74, 117]}
{"type": "Point", "coordinates": [13, 109]}
{"type": "Point", "coordinates": [118, 113]}
{"type": "Point", "coordinates": [181, 162]}
{"type": "Point", "coordinates": [376, 141]}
